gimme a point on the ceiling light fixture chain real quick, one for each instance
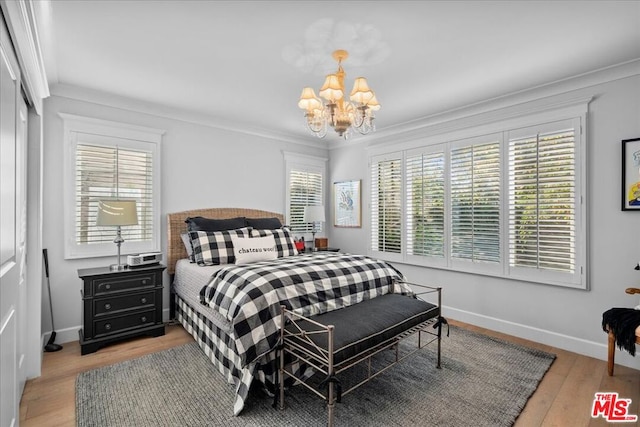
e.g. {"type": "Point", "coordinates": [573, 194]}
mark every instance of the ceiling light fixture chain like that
{"type": "Point", "coordinates": [341, 114]}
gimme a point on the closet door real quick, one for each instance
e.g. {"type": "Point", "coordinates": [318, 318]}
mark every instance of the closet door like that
{"type": "Point", "coordinates": [12, 232]}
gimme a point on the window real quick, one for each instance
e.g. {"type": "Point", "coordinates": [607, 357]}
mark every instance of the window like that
{"type": "Point", "coordinates": [110, 160]}
{"type": "Point", "coordinates": [425, 185]}
{"type": "Point", "coordinates": [386, 204]}
{"type": "Point", "coordinates": [507, 204]}
{"type": "Point", "coordinates": [112, 172]}
{"type": "Point", "coordinates": [305, 187]}
{"type": "Point", "coordinates": [475, 201]}
{"type": "Point", "coordinates": [542, 203]}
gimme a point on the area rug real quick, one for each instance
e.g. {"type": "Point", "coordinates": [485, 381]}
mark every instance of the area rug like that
{"type": "Point", "coordinates": [484, 381]}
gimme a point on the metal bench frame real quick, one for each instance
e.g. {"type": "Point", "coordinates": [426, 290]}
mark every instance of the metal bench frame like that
{"type": "Point", "coordinates": [322, 359]}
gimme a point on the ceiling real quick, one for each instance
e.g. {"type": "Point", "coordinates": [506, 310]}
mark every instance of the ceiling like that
{"type": "Point", "coordinates": [244, 63]}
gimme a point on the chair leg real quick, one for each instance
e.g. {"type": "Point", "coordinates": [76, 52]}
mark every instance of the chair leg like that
{"type": "Point", "coordinates": [611, 353]}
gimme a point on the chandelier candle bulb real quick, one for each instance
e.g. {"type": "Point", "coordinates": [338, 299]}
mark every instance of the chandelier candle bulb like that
{"type": "Point", "coordinates": [341, 114]}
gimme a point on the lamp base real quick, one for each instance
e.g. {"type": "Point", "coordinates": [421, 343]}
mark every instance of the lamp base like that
{"type": "Point", "coordinates": [118, 267]}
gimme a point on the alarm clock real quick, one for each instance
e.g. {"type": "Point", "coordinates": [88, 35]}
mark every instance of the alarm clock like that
{"type": "Point", "coordinates": [142, 260]}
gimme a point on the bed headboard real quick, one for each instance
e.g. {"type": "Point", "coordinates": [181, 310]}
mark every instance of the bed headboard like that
{"type": "Point", "coordinates": [177, 226]}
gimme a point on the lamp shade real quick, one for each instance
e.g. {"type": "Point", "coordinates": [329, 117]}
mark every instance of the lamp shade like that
{"type": "Point", "coordinates": [308, 100]}
{"type": "Point", "coordinates": [373, 104]}
{"type": "Point", "coordinates": [314, 213]}
{"type": "Point", "coordinates": [114, 212]}
{"type": "Point", "coordinates": [361, 92]}
{"type": "Point", "coordinates": [331, 90]}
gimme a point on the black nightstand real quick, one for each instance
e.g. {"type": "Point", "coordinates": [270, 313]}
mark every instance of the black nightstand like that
{"type": "Point", "coordinates": [309, 250]}
{"type": "Point", "coordinates": [119, 305]}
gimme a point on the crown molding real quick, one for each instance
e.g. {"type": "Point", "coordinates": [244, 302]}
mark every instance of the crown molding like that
{"type": "Point", "coordinates": [548, 96]}
{"type": "Point", "coordinates": [148, 108]}
{"type": "Point", "coordinates": [21, 21]}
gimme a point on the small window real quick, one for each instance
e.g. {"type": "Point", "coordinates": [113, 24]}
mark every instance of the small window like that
{"type": "Point", "coordinates": [305, 187]}
{"type": "Point", "coordinates": [110, 160]}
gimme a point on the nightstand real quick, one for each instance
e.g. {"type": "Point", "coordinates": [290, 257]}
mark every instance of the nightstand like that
{"type": "Point", "coordinates": [119, 305]}
{"type": "Point", "coordinates": [309, 250]}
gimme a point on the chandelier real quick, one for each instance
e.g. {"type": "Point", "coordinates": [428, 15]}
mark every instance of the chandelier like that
{"type": "Point", "coordinates": [336, 111]}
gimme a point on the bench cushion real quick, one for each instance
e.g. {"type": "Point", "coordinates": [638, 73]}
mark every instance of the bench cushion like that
{"type": "Point", "coordinates": [361, 326]}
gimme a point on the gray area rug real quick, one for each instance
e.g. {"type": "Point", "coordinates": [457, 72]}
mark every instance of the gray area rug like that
{"type": "Point", "coordinates": [483, 382]}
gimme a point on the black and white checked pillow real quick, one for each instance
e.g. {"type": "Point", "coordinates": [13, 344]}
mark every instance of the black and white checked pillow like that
{"type": "Point", "coordinates": [285, 245]}
{"type": "Point", "coordinates": [215, 247]}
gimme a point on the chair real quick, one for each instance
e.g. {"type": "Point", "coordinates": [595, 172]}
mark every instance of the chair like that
{"type": "Point", "coordinates": [612, 338]}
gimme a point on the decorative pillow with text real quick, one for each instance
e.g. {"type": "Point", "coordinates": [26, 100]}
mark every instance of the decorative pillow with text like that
{"type": "Point", "coordinates": [249, 250]}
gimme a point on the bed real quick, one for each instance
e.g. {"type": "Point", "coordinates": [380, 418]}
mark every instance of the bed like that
{"type": "Point", "coordinates": [234, 311]}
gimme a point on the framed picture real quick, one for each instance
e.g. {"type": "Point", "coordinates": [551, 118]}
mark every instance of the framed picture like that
{"type": "Point", "coordinates": [631, 174]}
{"type": "Point", "coordinates": [346, 204]}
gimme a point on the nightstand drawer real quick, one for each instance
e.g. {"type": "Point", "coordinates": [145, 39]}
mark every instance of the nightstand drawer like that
{"type": "Point", "coordinates": [120, 323]}
{"type": "Point", "coordinates": [103, 306]}
{"type": "Point", "coordinates": [123, 283]}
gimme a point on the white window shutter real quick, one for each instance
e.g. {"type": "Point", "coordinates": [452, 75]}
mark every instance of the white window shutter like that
{"type": "Point", "coordinates": [112, 172]}
{"type": "Point", "coordinates": [386, 205]}
{"type": "Point", "coordinates": [475, 202]}
{"type": "Point", "coordinates": [425, 202]}
{"type": "Point", "coordinates": [542, 205]}
{"type": "Point", "coordinates": [305, 189]}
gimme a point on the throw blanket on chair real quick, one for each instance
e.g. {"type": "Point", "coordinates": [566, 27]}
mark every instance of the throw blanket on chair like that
{"type": "Point", "coordinates": [623, 323]}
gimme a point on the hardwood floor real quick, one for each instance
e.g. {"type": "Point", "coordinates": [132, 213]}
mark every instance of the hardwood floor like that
{"type": "Point", "coordinates": [564, 397]}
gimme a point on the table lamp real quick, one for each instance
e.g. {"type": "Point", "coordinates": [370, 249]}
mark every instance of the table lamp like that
{"type": "Point", "coordinates": [314, 215]}
{"type": "Point", "coordinates": [117, 213]}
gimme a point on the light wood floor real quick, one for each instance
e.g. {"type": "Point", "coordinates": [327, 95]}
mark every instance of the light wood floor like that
{"type": "Point", "coordinates": [563, 399]}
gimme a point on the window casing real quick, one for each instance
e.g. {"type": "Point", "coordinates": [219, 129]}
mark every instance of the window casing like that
{"type": "Point", "coordinates": [305, 186]}
{"type": "Point", "coordinates": [110, 160]}
{"type": "Point", "coordinates": [508, 203]}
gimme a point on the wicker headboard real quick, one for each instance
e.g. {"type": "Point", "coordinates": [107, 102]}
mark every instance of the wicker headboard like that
{"type": "Point", "coordinates": [177, 226]}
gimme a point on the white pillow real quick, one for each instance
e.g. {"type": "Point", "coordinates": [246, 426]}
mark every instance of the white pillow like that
{"type": "Point", "coordinates": [248, 250]}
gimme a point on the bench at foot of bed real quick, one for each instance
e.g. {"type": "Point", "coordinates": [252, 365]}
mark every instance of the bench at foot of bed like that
{"type": "Point", "coordinates": [335, 341]}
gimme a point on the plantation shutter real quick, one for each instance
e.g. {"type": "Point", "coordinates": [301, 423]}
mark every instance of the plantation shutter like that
{"type": "Point", "coordinates": [425, 202]}
{"type": "Point", "coordinates": [112, 172]}
{"type": "Point", "coordinates": [475, 202]}
{"type": "Point", "coordinates": [386, 204]}
{"type": "Point", "coordinates": [542, 203]}
{"type": "Point", "coordinates": [305, 189]}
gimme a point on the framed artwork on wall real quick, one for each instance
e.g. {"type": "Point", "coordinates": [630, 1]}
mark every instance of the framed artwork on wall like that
{"type": "Point", "coordinates": [631, 174]}
{"type": "Point", "coordinates": [347, 204]}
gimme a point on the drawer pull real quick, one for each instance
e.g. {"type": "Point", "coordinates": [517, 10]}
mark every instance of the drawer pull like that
{"type": "Point", "coordinates": [107, 326]}
{"type": "Point", "coordinates": [107, 306]}
{"type": "Point", "coordinates": [107, 287]}
{"type": "Point", "coordinates": [144, 282]}
{"type": "Point", "coordinates": [144, 319]}
{"type": "Point", "coordinates": [143, 300]}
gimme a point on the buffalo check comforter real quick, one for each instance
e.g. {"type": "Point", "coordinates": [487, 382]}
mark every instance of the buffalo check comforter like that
{"type": "Point", "coordinates": [250, 296]}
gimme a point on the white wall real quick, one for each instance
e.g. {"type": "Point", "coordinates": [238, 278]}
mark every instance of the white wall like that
{"type": "Point", "coordinates": [202, 167]}
{"type": "Point", "coordinates": [561, 317]}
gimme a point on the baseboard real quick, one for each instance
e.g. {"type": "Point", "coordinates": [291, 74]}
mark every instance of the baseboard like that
{"type": "Point", "coordinates": [63, 335]}
{"type": "Point", "coordinates": [597, 350]}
